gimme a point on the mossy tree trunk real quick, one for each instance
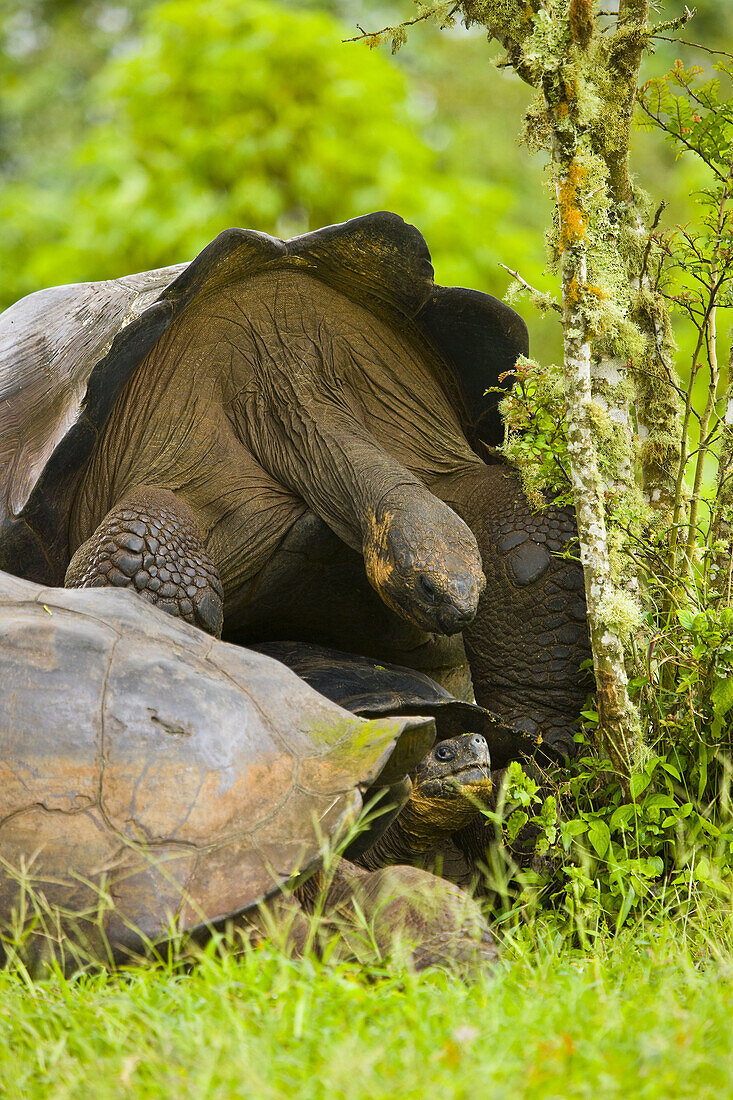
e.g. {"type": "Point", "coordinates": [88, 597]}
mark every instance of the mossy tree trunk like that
{"type": "Point", "coordinates": [721, 534]}
{"type": "Point", "coordinates": [583, 175]}
{"type": "Point", "coordinates": [615, 327]}
{"type": "Point", "coordinates": [622, 403]}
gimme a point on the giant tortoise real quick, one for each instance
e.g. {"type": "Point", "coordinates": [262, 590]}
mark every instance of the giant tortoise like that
{"type": "Point", "coordinates": [275, 431]}
{"type": "Point", "coordinates": [152, 775]}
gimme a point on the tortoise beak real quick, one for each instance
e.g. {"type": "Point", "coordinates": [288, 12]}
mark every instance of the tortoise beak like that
{"type": "Point", "coordinates": [452, 620]}
{"type": "Point", "coordinates": [459, 602]}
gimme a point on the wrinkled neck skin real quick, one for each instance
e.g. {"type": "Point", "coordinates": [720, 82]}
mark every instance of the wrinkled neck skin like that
{"type": "Point", "coordinates": [424, 823]}
{"type": "Point", "coordinates": [310, 392]}
{"type": "Point", "coordinates": [376, 506]}
{"type": "Point", "coordinates": [530, 634]}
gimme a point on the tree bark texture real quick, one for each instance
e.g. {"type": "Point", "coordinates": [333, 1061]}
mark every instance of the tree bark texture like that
{"type": "Point", "coordinates": [584, 82]}
{"type": "Point", "coordinates": [722, 528]}
{"type": "Point", "coordinates": [618, 724]}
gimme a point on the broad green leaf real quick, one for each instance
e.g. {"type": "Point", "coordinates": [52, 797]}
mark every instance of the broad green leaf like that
{"type": "Point", "coordinates": [722, 696]}
{"type": "Point", "coordinates": [659, 802]}
{"type": "Point", "coordinates": [622, 815]}
{"type": "Point", "coordinates": [639, 784]}
{"type": "Point", "coordinates": [599, 836]}
{"type": "Point", "coordinates": [685, 618]}
{"type": "Point", "coordinates": [516, 822]}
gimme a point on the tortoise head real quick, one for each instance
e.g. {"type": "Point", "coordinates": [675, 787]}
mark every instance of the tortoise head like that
{"type": "Point", "coordinates": [449, 787]}
{"type": "Point", "coordinates": [423, 561]}
{"type": "Point", "coordinates": [457, 768]}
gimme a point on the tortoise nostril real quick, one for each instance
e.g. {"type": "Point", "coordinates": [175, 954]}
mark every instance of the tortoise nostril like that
{"type": "Point", "coordinates": [428, 588]}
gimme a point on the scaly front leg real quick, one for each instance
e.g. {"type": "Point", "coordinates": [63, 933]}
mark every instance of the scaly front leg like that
{"type": "Point", "coordinates": [151, 542]}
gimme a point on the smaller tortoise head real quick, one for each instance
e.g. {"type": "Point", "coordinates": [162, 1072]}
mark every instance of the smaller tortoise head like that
{"type": "Point", "coordinates": [424, 562]}
{"type": "Point", "coordinates": [449, 788]}
{"type": "Point", "coordinates": [457, 768]}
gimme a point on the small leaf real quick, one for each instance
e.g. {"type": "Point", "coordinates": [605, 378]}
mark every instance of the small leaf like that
{"type": "Point", "coordinates": [626, 907]}
{"type": "Point", "coordinates": [573, 828]}
{"type": "Point", "coordinates": [685, 618]}
{"type": "Point", "coordinates": [599, 836]}
{"type": "Point", "coordinates": [516, 822]}
{"type": "Point", "coordinates": [639, 784]}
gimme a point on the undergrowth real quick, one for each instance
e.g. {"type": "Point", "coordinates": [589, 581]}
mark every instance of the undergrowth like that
{"type": "Point", "coordinates": [642, 1013]}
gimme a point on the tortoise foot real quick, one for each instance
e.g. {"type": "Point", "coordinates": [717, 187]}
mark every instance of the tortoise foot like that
{"type": "Point", "coordinates": [151, 542]}
{"type": "Point", "coordinates": [408, 914]}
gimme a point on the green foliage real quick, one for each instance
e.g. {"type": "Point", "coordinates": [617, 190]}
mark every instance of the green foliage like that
{"type": "Point", "coordinates": [607, 858]}
{"type": "Point", "coordinates": [549, 1024]}
{"type": "Point", "coordinates": [536, 437]}
{"type": "Point", "coordinates": [232, 114]}
{"type": "Point", "coordinates": [693, 263]}
{"type": "Point", "coordinates": [695, 120]}
{"type": "Point", "coordinates": [525, 809]}
{"type": "Point", "coordinates": [222, 114]}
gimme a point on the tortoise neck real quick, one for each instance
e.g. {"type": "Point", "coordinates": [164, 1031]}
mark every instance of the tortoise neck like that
{"type": "Point", "coordinates": [423, 824]}
{"type": "Point", "coordinates": [337, 467]}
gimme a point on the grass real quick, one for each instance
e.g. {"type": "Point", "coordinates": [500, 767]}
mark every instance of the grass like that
{"type": "Point", "coordinates": [636, 1017]}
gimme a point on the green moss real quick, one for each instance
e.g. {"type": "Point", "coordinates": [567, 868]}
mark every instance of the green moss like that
{"type": "Point", "coordinates": [620, 612]}
{"type": "Point", "coordinates": [513, 17]}
{"type": "Point", "coordinates": [550, 41]}
{"type": "Point", "coordinates": [537, 126]}
{"type": "Point", "coordinates": [540, 300]}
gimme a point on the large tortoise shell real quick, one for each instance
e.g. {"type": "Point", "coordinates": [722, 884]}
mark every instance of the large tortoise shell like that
{"type": "Point", "coordinates": [150, 772]}
{"type": "Point", "coordinates": [66, 353]}
{"type": "Point", "coordinates": [372, 688]}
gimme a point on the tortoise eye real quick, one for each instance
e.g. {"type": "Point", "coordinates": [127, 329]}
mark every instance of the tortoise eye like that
{"type": "Point", "coordinates": [444, 752]}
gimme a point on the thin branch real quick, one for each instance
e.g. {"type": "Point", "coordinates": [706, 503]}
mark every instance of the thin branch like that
{"type": "Point", "coordinates": [673, 24]}
{"type": "Point", "coordinates": [679, 137]}
{"type": "Point", "coordinates": [399, 26]}
{"type": "Point", "coordinates": [650, 238]}
{"type": "Point", "coordinates": [697, 45]}
{"type": "Point", "coordinates": [657, 378]}
{"type": "Point", "coordinates": [528, 286]}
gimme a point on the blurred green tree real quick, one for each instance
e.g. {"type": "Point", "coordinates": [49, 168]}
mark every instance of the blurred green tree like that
{"type": "Point", "coordinates": [234, 114]}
